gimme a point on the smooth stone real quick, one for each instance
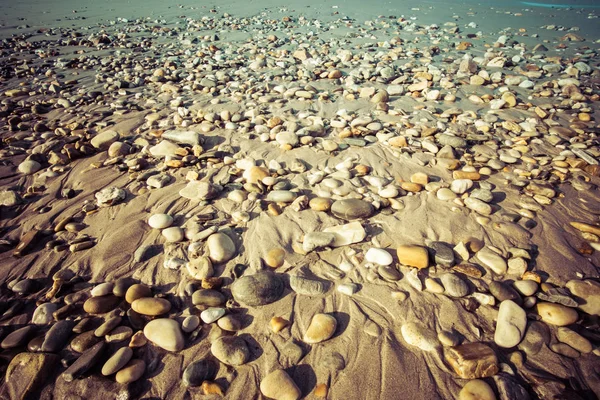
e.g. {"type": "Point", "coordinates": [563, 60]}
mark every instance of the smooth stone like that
{"type": "Point", "coordinates": [278, 385]}
{"type": "Point", "coordinates": [17, 338]}
{"type": "Point", "coordinates": [43, 314]}
{"type": "Point", "coordinates": [200, 268]}
{"type": "Point", "coordinates": [309, 287]}
{"type": "Point", "coordinates": [119, 334]}
{"type": "Point", "coordinates": [29, 167]}
{"type": "Point", "coordinates": [509, 387]}
{"type": "Point", "coordinates": [199, 371]}
{"type": "Point", "coordinates": [101, 305]}
{"type": "Point", "coordinates": [352, 209]}
{"type": "Point", "coordinates": [164, 148]}
{"type": "Point", "coordinates": [526, 287]}
{"type": "Point", "coordinates": [220, 248]}
{"type": "Point", "coordinates": [208, 297]}
{"type": "Point", "coordinates": [212, 314]}
{"type": "Point", "coordinates": [86, 361]}
{"type": "Point", "coordinates": [478, 206]}
{"type": "Point", "coordinates": [103, 140]}
{"type": "Point", "coordinates": [186, 137]}
{"type": "Point", "coordinates": [420, 336]}
{"type": "Point", "coordinates": [348, 288]}
{"type": "Point", "coordinates": [557, 314]}
{"type": "Point", "coordinates": [472, 360]}
{"type": "Point", "coordinates": [564, 350]}
{"type": "Point", "coordinates": [442, 254]}
{"type": "Point", "coordinates": [137, 291]}
{"type": "Point", "coordinates": [107, 326]}
{"type": "Point", "coordinates": [27, 373]}
{"type": "Point", "coordinates": [389, 273]}
{"type": "Point", "coordinates": [121, 286]}
{"type": "Point", "coordinates": [275, 258]}
{"type": "Point", "coordinates": [160, 221]}
{"type": "Point", "coordinates": [537, 335]}
{"type": "Point", "coordinates": [56, 338]}
{"type": "Point", "coordinates": [25, 286]}
{"type": "Point", "coordinates": [588, 295]}
{"type": "Point", "coordinates": [320, 204]}
{"type": "Point", "coordinates": [445, 194]}
{"type": "Point", "coordinates": [199, 191]}
{"type": "Point", "coordinates": [84, 341]}
{"type": "Point", "coordinates": [492, 260]}
{"type": "Point", "coordinates": [102, 289]}
{"type": "Point", "coordinates": [574, 339]}
{"type": "Point", "coordinates": [165, 333]}
{"type": "Point", "coordinates": [173, 234]}
{"type": "Point", "coordinates": [315, 240]}
{"type": "Point", "coordinates": [230, 323]}
{"type": "Point", "coordinates": [413, 256]}
{"type": "Point", "coordinates": [190, 323]}
{"type": "Point", "coordinates": [281, 196]}
{"type": "Point", "coordinates": [347, 234]}
{"type": "Point", "coordinates": [460, 186]}
{"type": "Point", "coordinates": [230, 350]}
{"type": "Point", "coordinates": [510, 324]}
{"type": "Point", "coordinates": [433, 286]}
{"type": "Point", "coordinates": [152, 306]}
{"type": "Point", "coordinates": [477, 390]}
{"type": "Point", "coordinates": [378, 256]}
{"type": "Point", "coordinates": [454, 285]}
{"type": "Point", "coordinates": [133, 371]}
{"type": "Point", "coordinates": [502, 291]}
{"type": "Point", "coordinates": [117, 361]}
{"type": "Point", "coordinates": [259, 289]}
{"type": "Point", "coordinates": [321, 328]}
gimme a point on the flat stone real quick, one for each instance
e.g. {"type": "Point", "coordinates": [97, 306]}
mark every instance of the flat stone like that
{"type": "Point", "coordinates": [84, 341]}
{"type": "Point", "coordinates": [378, 256]}
{"type": "Point", "coordinates": [107, 326]}
{"type": "Point", "coordinates": [282, 196]}
{"type": "Point", "coordinates": [186, 137]}
{"type": "Point", "coordinates": [86, 361]}
{"type": "Point", "coordinates": [160, 221]}
{"type": "Point", "coordinates": [492, 260]}
{"type": "Point", "coordinates": [152, 306]}
{"type": "Point", "coordinates": [564, 350]}
{"type": "Point", "coordinates": [43, 314]}
{"type": "Point", "coordinates": [56, 338]}
{"type": "Point", "coordinates": [442, 254]}
{"type": "Point", "coordinates": [347, 234]}
{"type": "Point", "coordinates": [574, 339]}
{"type": "Point", "coordinates": [190, 323]}
{"type": "Point", "coordinates": [119, 334]}
{"type": "Point", "coordinates": [308, 286]}
{"type": "Point", "coordinates": [587, 293]}
{"type": "Point", "coordinates": [208, 297]}
{"type": "Point", "coordinates": [29, 167]}
{"type": "Point", "coordinates": [279, 385]}
{"type": "Point", "coordinates": [164, 148]}
{"type": "Point", "coordinates": [259, 289]}
{"type": "Point", "coordinates": [17, 338]}
{"type": "Point", "coordinates": [321, 328]}
{"type": "Point", "coordinates": [199, 371]}
{"type": "Point", "coordinates": [133, 371]}
{"type": "Point", "coordinates": [419, 336]}
{"type": "Point", "coordinates": [510, 324]}
{"type": "Point", "coordinates": [557, 314]}
{"type": "Point", "coordinates": [413, 256]}
{"type": "Point", "coordinates": [230, 350]}
{"type": "Point", "coordinates": [472, 360]}
{"type": "Point", "coordinates": [212, 314]}
{"type": "Point", "coordinates": [478, 206]}
{"type": "Point", "coordinates": [502, 291]}
{"type": "Point", "coordinates": [537, 335]}
{"type": "Point", "coordinates": [230, 323]}
{"type": "Point", "coordinates": [117, 361]}
{"type": "Point", "coordinates": [316, 240]}
{"type": "Point", "coordinates": [165, 333]}
{"type": "Point", "coordinates": [110, 196]}
{"type": "Point", "coordinates": [199, 191]}
{"type": "Point", "coordinates": [220, 247]}
{"type": "Point", "coordinates": [27, 372]}
{"type": "Point", "coordinates": [454, 286]}
{"type": "Point", "coordinates": [477, 389]}
{"type": "Point", "coordinates": [352, 209]}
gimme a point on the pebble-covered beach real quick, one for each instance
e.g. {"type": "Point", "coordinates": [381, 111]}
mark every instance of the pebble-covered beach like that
{"type": "Point", "coordinates": [322, 201]}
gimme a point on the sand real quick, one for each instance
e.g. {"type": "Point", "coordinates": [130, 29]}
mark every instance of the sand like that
{"type": "Point", "coordinates": [378, 363]}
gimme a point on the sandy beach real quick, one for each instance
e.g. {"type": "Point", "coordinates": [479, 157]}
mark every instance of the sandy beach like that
{"type": "Point", "coordinates": [340, 200]}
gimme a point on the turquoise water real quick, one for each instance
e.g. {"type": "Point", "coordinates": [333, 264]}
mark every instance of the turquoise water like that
{"type": "Point", "coordinates": [552, 5]}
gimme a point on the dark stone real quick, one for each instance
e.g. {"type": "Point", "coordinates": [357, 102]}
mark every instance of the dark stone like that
{"type": "Point", "coordinates": [259, 289]}
{"type": "Point", "coordinates": [27, 372]}
{"type": "Point", "coordinates": [35, 344]}
{"type": "Point", "coordinates": [352, 209]}
{"type": "Point", "coordinates": [17, 338]}
{"type": "Point", "coordinates": [121, 286]}
{"type": "Point", "coordinates": [85, 362]}
{"type": "Point", "coordinates": [208, 297]}
{"type": "Point", "coordinates": [502, 291]}
{"type": "Point", "coordinates": [199, 371]}
{"type": "Point", "coordinates": [57, 336]}
{"type": "Point", "coordinates": [442, 253]}
{"type": "Point", "coordinates": [101, 304]}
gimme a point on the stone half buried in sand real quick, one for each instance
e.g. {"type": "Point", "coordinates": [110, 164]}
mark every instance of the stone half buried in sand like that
{"type": "Point", "coordinates": [186, 137]}
{"type": "Point", "coordinates": [587, 293]}
{"type": "Point", "coordinates": [165, 333]}
{"type": "Point", "coordinates": [321, 328]}
{"type": "Point", "coordinates": [352, 209]}
{"type": "Point", "coordinates": [472, 360]}
{"type": "Point", "coordinates": [309, 286]}
{"type": "Point", "coordinates": [420, 336]}
{"type": "Point", "coordinates": [413, 256]}
{"type": "Point", "coordinates": [347, 234]}
{"type": "Point", "coordinates": [279, 385]}
{"type": "Point", "coordinates": [197, 190]}
{"type": "Point", "coordinates": [259, 289]}
{"type": "Point", "coordinates": [27, 372]}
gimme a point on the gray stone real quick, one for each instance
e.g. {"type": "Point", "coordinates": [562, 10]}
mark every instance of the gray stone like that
{"type": "Point", "coordinates": [454, 286]}
{"type": "Point", "coordinates": [259, 289]}
{"type": "Point", "coordinates": [309, 287]}
{"type": "Point", "coordinates": [352, 209]}
{"type": "Point", "coordinates": [199, 190]}
{"type": "Point", "coordinates": [199, 371]}
{"type": "Point", "coordinates": [56, 338]}
{"type": "Point", "coordinates": [86, 361]}
{"type": "Point", "coordinates": [230, 350]}
{"type": "Point", "coordinates": [442, 254]}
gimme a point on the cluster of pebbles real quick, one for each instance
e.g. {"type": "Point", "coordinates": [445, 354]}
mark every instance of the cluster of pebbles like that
{"type": "Point", "coordinates": [348, 129]}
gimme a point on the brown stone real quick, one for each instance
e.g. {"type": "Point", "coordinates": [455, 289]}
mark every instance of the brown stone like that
{"type": "Point", "coordinates": [27, 372]}
{"type": "Point", "coordinates": [472, 360]}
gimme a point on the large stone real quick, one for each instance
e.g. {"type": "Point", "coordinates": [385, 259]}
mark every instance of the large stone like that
{"type": "Point", "coordinates": [352, 209]}
{"type": "Point", "coordinates": [230, 350]}
{"type": "Point", "coordinates": [259, 289]}
{"type": "Point", "coordinates": [117, 361]}
{"type": "Point", "coordinates": [220, 248]}
{"type": "Point", "coordinates": [103, 140]}
{"type": "Point", "coordinates": [279, 385]}
{"type": "Point", "coordinates": [321, 328]}
{"type": "Point", "coordinates": [309, 287]}
{"type": "Point", "coordinates": [199, 371]}
{"type": "Point", "coordinates": [472, 360]}
{"type": "Point", "coordinates": [27, 372]}
{"type": "Point", "coordinates": [86, 361]}
{"type": "Point", "coordinates": [152, 306]}
{"type": "Point", "coordinates": [413, 256]}
{"type": "Point", "coordinates": [557, 314]}
{"type": "Point", "coordinates": [165, 333]}
{"type": "Point", "coordinates": [199, 190]}
{"type": "Point", "coordinates": [587, 293]}
{"type": "Point", "coordinates": [56, 338]}
{"type": "Point", "coordinates": [492, 260]}
{"type": "Point", "coordinates": [420, 336]}
{"type": "Point", "coordinates": [186, 137]}
{"type": "Point", "coordinates": [101, 305]}
{"type": "Point", "coordinates": [510, 325]}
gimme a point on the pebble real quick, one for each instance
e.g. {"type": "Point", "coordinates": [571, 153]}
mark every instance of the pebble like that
{"type": "Point", "coordinates": [537, 335]}
{"type": "Point", "coordinates": [56, 338]}
{"type": "Point", "coordinates": [152, 306]}
{"type": "Point", "coordinates": [259, 289]}
{"type": "Point", "coordinates": [502, 291]}
{"type": "Point", "coordinates": [352, 209]}
{"type": "Point", "coordinates": [526, 288]}
{"type": "Point", "coordinates": [348, 288]}
{"type": "Point", "coordinates": [102, 289]}
{"type": "Point", "coordinates": [190, 323]}
{"type": "Point", "coordinates": [454, 285]}
{"type": "Point", "coordinates": [413, 256]}
{"type": "Point", "coordinates": [110, 196]}
{"type": "Point", "coordinates": [278, 385]}
{"type": "Point", "coordinates": [208, 297]}
{"type": "Point", "coordinates": [17, 338]}
{"type": "Point", "coordinates": [230, 323]}
{"type": "Point", "coordinates": [320, 204]}
{"type": "Point", "coordinates": [220, 248]}
{"type": "Point", "coordinates": [133, 371]}
{"type": "Point", "coordinates": [574, 339]}
{"type": "Point", "coordinates": [173, 234]}
{"type": "Point", "coordinates": [472, 360]}
{"type": "Point", "coordinates": [477, 389]}
{"type": "Point", "coordinates": [556, 314]}
{"type": "Point", "coordinates": [282, 196]}
{"type": "Point", "coordinates": [510, 324]}
{"type": "Point", "coordinates": [137, 291]}
{"type": "Point", "coordinates": [321, 328]}
{"type": "Point", "coordinates": [492, 260]}
{"type": "Point", "coordinates": [378, 256]}
{"type": "Point", "coordinates": [230, 350]}
{"type": "Point", "coordinates": [199, 371]}
{"type": "Point", "coordinates": [43, 314]}
{"type": "Point", "coordinates": [29, 167]}
{"type": "Point", "coordinates": [103, 140]}
{"type": "Point", "coordinates": [200, 268]}
{"type": "Point", "coordinates": [589, 291]}
{"type": "Point", "coordinates": [119, 334]}
{"type": "Point", "coordinates": [442, 253]}
{"type": "Point", "coordinates": [165, 333]}
{"type": "Point", "coordinates": [275, 258]}
{"type": "Point", "coordinates": [85, 362]}
{"type": "Point", "coordinates": [160, 221]}
{"type": "Point", "coordinates": [212, 314]}
{"type": "Point", "coordinates": [308, 286]}
{"type": "Point", "coordinates": [117, 361]}
{"type": "Point", "coordinates": [419, 336]}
